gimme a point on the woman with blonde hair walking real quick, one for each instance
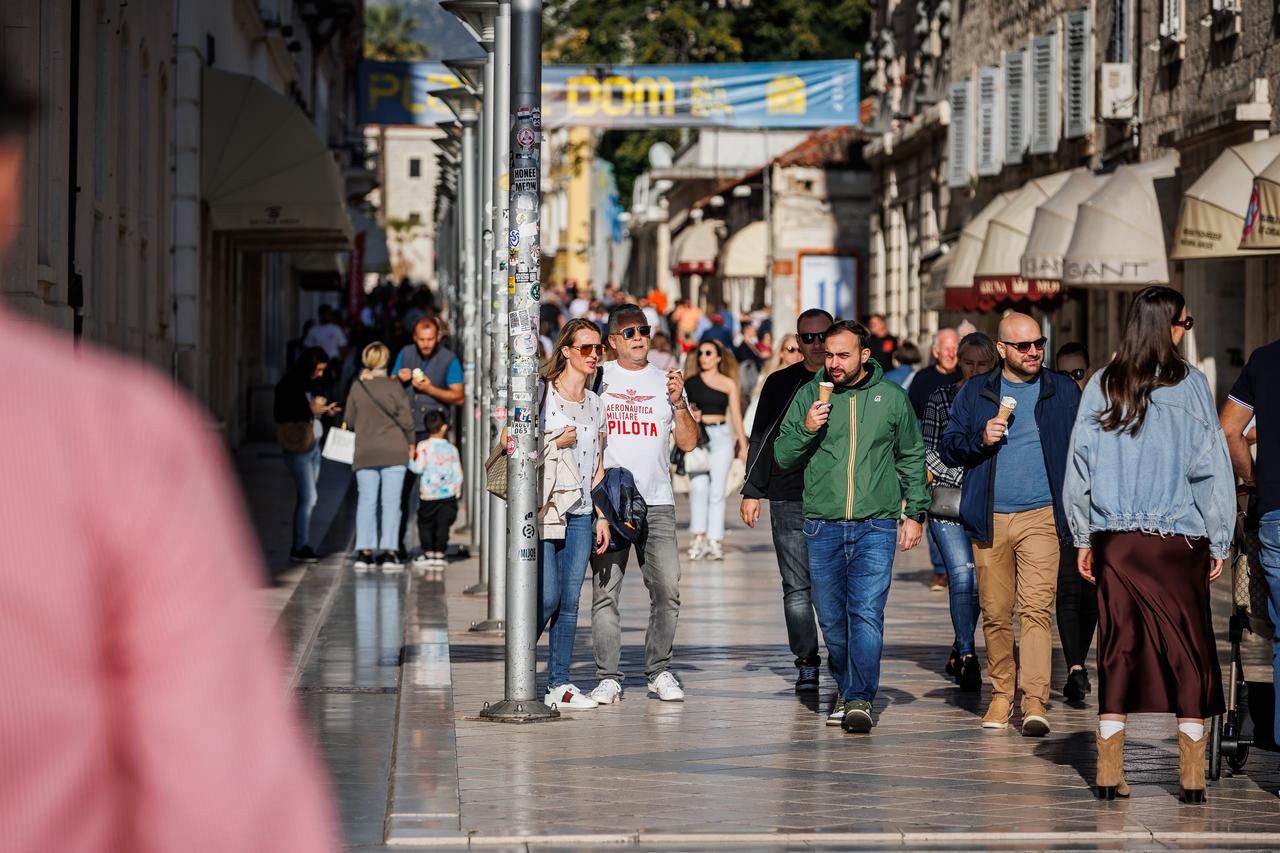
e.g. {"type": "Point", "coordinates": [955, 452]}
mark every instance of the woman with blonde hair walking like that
{"type": "Point", "coordinates": [378, 411]}
{"type": "Point", "coordinates": [1150, 499]}
{"type": "Point", "coordinates": [711, 385]}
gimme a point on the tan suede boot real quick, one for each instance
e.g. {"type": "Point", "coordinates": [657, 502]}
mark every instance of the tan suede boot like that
{"type": "Point", "coordinates": [1191, 766]}
{"type": "Point", "coordinates": [1111, 766]}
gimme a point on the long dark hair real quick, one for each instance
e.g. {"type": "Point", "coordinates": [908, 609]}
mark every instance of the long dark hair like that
{"type": "Point", "coordinates": [305, 364]}
{"type": "Point", "coordinates": [1146, 360]}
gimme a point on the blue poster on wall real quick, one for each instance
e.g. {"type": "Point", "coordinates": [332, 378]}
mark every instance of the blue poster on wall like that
{"type": "Point", "coordinates": [813, 94]}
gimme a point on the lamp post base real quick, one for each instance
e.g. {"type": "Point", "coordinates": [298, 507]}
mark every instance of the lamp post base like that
{"type": "Point", "coordinates": [489, 626]}
{"type": "Point", "coordinates": [519, 711]}
{"type": "Point", "coordinates": [477, 589]}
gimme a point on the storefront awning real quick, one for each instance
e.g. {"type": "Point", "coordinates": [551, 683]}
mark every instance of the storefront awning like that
{"type": "Point", "coordinates": [1261, 230]}
{"type": "Point", "coordinates": [1214, 208]}
{"type": "Point", "coordinates": [695, 249]}
{"type": "Point", "coordinates": [1119, 238]}
{"type": "Point", "coordinates": [999, 272]}
{"type": "Point", "coordinates": [1052, 226]}
{"type": "Point", "coordinates": [266, 174]}
{"type": "Point", "coordinates": [745, 253]}
{"type": "Point", "coordinates": [960, 294]}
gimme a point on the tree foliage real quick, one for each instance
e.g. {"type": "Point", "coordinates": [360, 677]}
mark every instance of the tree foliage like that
{"type": "Point", "coordinates": [389, 34]}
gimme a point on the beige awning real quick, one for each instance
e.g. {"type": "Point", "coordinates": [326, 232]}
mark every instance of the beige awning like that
{"type": "Point", "coordinates": [695, 249]}
{"type": "Point", "coordinates": [958, 274]}
{"type": "Point", "coordinates": [1053, 224]}
{"type": "Point", "coordinates": [999, 270]}
{"type": "Point", "coordinates": [1119, 238]}
{"type": "Point", "coordinates": [745, 253]}
{"type": "Point", "coordinates": [1261, 229]}
{"type": "Point", "coordinates": [1213, 209]}
{"type": "Point", "coordinates": [265, 170]}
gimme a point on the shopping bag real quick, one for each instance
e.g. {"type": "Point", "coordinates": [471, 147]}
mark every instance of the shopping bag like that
{"type": "Point", "coordinates": [340, 445]}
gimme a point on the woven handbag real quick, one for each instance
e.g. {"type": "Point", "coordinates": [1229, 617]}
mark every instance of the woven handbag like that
{"type": "Point", "coordinates": [495, 471]}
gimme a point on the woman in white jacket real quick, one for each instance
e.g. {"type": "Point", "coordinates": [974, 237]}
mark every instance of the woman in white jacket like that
{"type": "Point", "coordinates": [574, 430]}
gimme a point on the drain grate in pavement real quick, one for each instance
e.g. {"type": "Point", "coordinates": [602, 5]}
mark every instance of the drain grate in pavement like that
{"type": "Point", "coordinates": [320, 688]}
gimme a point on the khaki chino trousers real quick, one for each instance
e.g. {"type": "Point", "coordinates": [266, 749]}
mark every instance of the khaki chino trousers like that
{"type": "Point", "coordinates": [1018, 572]}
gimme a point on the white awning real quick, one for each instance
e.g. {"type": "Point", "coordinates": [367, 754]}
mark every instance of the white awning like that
{"type": "Point", "coordinates": [745, 254]}
{"type": "Point", "coordinates": [1262, 223]}
{"type": "Point", "coordinates": [1007, 233]}
{"type": "Point", "coordinates": [968, 248]}
{"type": "Point", "coordinates": [265, 170]}
{"type": "Point", "coordinates": [695, 249]}
{"type": "Point", "coordinates": [1053, 224]}
{"type": "Point", "coordinates": [1214, 208]}
{"type": "Point", "coordinates": [1119, 238]}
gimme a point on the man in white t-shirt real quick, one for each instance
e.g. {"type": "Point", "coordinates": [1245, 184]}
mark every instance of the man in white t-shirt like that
{"type": "Point", "coordinates": [643, 406]}
{"type": "Point", "coordinates": [327, 334]}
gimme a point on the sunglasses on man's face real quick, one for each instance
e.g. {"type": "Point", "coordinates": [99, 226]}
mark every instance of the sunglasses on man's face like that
{"type": "Point", "coordinates": [1024, 347]}
{"type": "Point", "coordinates": [588, 350]}
{"type": "Point", "coordinates": [810, 337]}
{"type": "Point", "coordinates": [1077, 374]}
{"type": "Point", "coordinates": [631, 331]}
{"type": "Point", "coordinates": [1186, 323]}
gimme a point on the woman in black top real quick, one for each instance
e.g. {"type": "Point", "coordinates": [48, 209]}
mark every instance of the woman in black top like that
{"type": "Point", "coordinates": [297, 405]}
{"type": "Point", "coordinates": [711, 384]}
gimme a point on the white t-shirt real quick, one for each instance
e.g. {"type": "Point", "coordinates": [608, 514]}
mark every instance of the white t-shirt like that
{"type": "Point", "coordinates": [328, 337]}
{"type": "Point", "coordinates": [640, 418]}
{"type": "Point", "coordinates": [588, 417]}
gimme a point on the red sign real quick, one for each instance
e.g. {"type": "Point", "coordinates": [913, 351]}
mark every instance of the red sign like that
{"type": "Point", "coordinates": [990, 291]}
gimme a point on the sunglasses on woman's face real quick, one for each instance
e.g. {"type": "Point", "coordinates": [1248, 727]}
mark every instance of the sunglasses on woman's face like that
{"type": "Point", "coordinates": [1025, 346]}
{"type": "Point", "coordinates": [588, 350]}
{"type": "Point", "coordinates": [631, 331]}
{"type": "Point", "coordinates": [1186, 323]}
{"type": "Point", "coordinates": [706, 353]}
{"type": "Point", "coordinates": [810, 337]}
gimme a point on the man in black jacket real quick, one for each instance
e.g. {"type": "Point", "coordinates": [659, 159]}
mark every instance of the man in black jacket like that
{"type": "Point", "coordinates": [785, 492]}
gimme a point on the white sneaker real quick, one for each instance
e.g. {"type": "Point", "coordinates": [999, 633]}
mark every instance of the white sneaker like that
{"type": "Point", "coordinates": [697, 549]}
{"type": "Point", "coordinates": [667, 688]}
{"type": "Point", "coordinates": [607, 692]}
{"type": "Point", "coordinates": [714, 551]}
{"type": "Point", "coordinates": [421, 563]}
{"type": "Point", "coordinates": [570, 697]}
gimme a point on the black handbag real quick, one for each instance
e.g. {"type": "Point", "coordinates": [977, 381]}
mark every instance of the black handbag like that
{"type": "Point", "coordinates": [945, 502]}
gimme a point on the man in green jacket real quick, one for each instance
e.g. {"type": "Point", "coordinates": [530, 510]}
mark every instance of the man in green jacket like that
{"type": "Point", "coordinates": [863, 456]}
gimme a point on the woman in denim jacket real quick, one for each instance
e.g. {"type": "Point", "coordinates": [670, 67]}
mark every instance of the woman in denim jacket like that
{"type": "Point", "coordinates": [1150, 499]}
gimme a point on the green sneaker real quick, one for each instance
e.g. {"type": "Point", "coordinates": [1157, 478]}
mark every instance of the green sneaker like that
{"type": "Point", "coordinates": [857, 716]}
{"type": "Point", "coordinates": [837, 711]}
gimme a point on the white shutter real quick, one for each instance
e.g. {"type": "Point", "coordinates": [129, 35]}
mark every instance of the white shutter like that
{"type": "Point", "coordinates": [1077, 76]}
{"type": "Point", "coordinates": [1044, 94]}
{"type": "Point", "coordinates": [1015, 106]}
{"type": "Point", "coordinates": [990, 153]}
{"type": "Point", "coordinates": [1171, 19]}
{"type": "Point", "coordinates": [960, 135]}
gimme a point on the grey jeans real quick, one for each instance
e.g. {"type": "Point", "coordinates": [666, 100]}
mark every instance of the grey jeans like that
{"type": "Point", "coordinates": [786, 520]}
{"type": "Point", "coordinates": [660, 567]}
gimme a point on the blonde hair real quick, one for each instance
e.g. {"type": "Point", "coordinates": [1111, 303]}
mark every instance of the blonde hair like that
{"type": "Point", "coordinates": [775, 359]}
{"type": "Point", "coordinates": [374, 357]}
{"type": "Point", "coordinates": [728, 364]}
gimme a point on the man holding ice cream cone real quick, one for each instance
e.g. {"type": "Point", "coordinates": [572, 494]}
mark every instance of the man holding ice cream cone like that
{"type": "Point", "coordinates": [1011, 431]}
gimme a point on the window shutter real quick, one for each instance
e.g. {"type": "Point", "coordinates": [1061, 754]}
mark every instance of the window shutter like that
{"type": "Point", "coordinates": [1078, 76]}
{"type": "Point", "coordinates": [960, 135]}
{"type": "Point", "coordinates": [1044, 94]}
{"type": "Point", "coordinates": [1170, 19]}
{"type": "Point", "coordinates": [990, 153]}
{"type": "Point", "coordinates": [1015, 106]}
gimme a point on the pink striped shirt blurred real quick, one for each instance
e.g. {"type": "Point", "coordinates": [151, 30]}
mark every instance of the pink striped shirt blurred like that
{"type": "Point", "coordinates": [142, 703]}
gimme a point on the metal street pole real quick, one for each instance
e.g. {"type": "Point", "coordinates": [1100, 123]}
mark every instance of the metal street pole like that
{"type": "Point", "coordinates": [520, 703]}
{"type": "Point", "coordinates": [500, 96]}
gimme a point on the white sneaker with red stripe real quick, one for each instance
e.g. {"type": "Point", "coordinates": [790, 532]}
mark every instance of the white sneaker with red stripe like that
{"type": "Point", "coordinates": [569, 697]}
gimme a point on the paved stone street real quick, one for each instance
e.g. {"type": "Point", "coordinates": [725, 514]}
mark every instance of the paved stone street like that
{"type": "Point", "coordinates": [743, 761]}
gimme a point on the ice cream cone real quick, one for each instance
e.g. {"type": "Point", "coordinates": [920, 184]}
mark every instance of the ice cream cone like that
{"type": "Point", "coordinates": [824, 392]}
{"type": "Point", "coordinates": [1007, 405]}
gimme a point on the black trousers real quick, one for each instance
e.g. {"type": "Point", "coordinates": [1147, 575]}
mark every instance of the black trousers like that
{"type": "Point", "coordinates": [434, 520]}
{"type": "Point", "coordinates": [1077, 608]}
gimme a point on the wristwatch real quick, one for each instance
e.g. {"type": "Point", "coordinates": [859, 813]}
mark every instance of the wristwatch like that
{"type": "Point", "coordinates": [683, 404]}
{"type": "Point", "coordinates": [919, 517]}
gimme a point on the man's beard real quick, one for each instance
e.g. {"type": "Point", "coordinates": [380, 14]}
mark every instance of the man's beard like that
{"type": "Point", "coordinates": [849, 379]}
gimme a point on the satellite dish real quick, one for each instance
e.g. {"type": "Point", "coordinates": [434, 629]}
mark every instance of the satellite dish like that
{"type": "Point", "coordinates": [661, 155]}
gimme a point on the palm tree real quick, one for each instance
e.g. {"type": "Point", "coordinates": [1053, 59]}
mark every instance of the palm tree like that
{"type": "Point", "coordinates": [389, 34]}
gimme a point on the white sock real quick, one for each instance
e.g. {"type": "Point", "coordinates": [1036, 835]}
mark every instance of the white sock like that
{"type": "Point", "coordinates": [1195, 731]}
{"type": "Point", "coordinates": [1107, 728]}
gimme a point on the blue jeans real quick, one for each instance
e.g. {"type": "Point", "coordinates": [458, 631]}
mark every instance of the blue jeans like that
{"type": "Point", "coordinates": [851, 565]}
{"type": "Point", "coordinates": [305, 468]}
{"type": "Point", "coordinates": [937, 558]}
{"type": "Point", "coordinates": [1269, 557]}
{"type": "Point", "coordinates": [564, 567]}
{"type": "Point", "coordinates": [962, 587]}
{"type": "Point", "coordinates": [390, 480]}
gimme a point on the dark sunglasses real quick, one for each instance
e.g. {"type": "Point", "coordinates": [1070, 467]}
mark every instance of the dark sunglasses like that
{"type": "Point", "coordinates": [810, 337]}
{"type": "Point", "coordinates": [1025, 346]}
{"type": "Point", "coordinates": [588, 350]}
{"type": "Point", "coordinates": [707, 352]}
{"type": "Point", "coordinates": [631, 331]}
{"type": "Point", "coordinates": [1187, 323]}
{"type": "Point", "coordinates": [1077, 374]}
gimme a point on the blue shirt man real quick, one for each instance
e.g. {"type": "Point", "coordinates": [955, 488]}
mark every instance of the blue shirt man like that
{"type": "Point", "coordinates": [1022, 483]}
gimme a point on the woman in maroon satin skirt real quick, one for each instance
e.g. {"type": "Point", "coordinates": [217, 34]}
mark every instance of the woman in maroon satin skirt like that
{"type": "Point", "coordinates": [1150, 498]}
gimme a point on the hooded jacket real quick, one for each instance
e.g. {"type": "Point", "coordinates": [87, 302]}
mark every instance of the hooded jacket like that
{"type": "Point", "coordinates": [865, 460]}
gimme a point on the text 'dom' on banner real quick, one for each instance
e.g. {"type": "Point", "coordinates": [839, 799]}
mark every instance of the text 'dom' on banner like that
{"type": "Point", "coordinates": [748, 95]}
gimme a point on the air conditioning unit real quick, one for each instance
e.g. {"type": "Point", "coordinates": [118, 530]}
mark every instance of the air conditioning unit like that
{"type": "Point", "coordinates": [1117, 96]}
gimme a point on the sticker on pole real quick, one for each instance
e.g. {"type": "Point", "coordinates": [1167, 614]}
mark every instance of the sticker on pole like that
{"type": "Point", "coordinates": [525, 137]}
{"type": "Point", "coordinates": [525, 344]}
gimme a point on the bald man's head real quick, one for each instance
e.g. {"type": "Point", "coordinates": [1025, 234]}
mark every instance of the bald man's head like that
{"type": "Point", "coordinates": [1021, 346]}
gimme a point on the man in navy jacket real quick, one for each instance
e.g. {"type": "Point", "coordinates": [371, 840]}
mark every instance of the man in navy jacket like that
{"type": "Point", "coordinates": [1011, 506]}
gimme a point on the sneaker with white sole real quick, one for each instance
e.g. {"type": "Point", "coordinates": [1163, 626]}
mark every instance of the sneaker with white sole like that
{"type": "Point", "coordinates": [569, 697]}
{"type": "Point", "coordinates": [364, 561]}
{"type": "Point", "coordinates": [667, 688]}
{"type": "Point", "coordinates": [607, 692]}
{"type": "Point", "coordinates": [698, 549]}
{"type": "Point", "coordinates": [421, 563]}
{"type": "Point", "coordinates": [714, 550]}
{"type": "Point", "coordinates": [836, 715]}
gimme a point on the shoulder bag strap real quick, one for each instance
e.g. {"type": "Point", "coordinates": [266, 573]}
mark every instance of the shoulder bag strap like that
{"type": "Point", "coordinates": [374, 400]}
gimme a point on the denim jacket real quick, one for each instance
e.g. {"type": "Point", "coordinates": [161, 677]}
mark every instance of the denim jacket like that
{"type": "Point", "coordinates": [1173, 478]}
